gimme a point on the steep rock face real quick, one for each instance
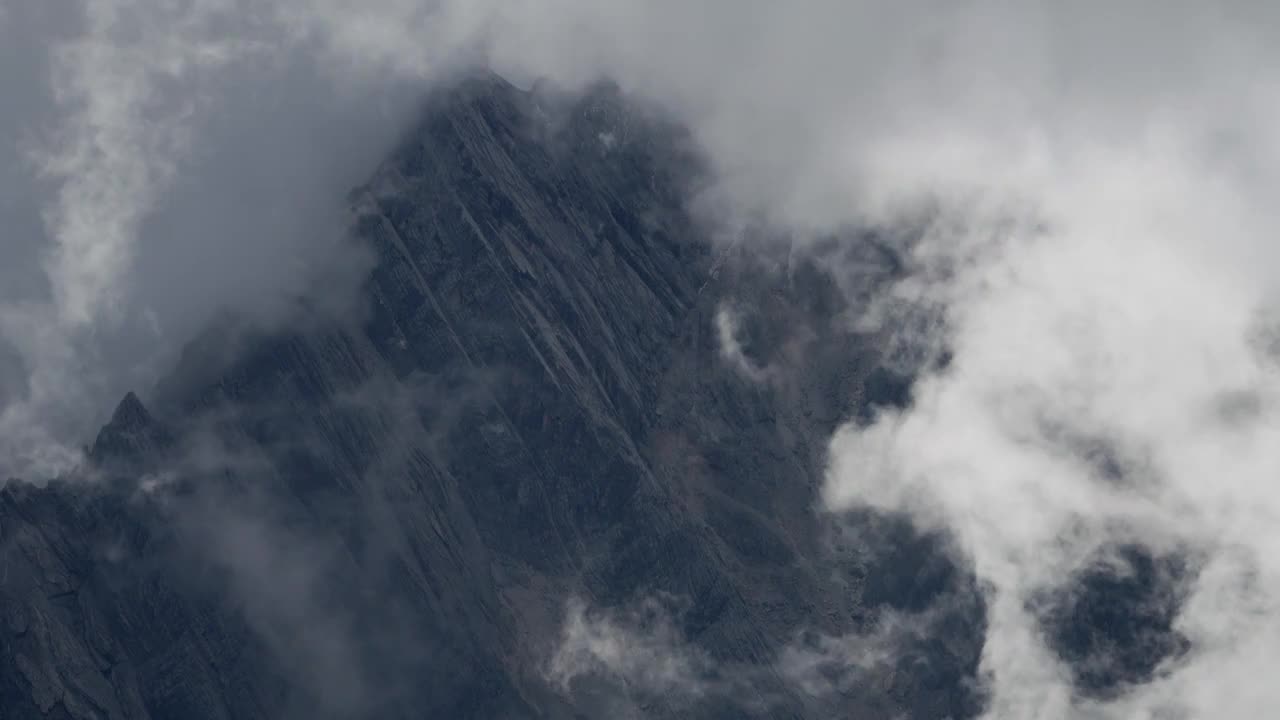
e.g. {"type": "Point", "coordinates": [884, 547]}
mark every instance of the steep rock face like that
{"type": "Point", "coordinates": [387, 516]}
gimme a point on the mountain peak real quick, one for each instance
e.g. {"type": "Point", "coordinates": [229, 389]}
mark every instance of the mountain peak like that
{"type": "Point", "coordinates": [130, 412]}
{"type": "Point", "coordinates": [131, 431]}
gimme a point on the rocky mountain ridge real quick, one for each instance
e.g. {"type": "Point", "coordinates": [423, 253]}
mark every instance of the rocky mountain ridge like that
{"type": "Point", "coordinates": [390, 514]}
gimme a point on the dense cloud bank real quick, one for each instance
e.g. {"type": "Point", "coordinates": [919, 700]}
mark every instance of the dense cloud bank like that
{"type": "Point", "coordinates": [1095, 181]}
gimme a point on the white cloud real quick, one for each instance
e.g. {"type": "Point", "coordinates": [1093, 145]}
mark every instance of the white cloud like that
{"type": "Point", "coordinates": [824, 665]}
{"type": "Point", "coordinates": [149, 150]}
{"type": "Point", "coordinates": [124, 131]}
{"type": "Point", "coordinates": [122, 139]}
{"type": "Point", "coordinates": [728, 326]}
{"type": "Point", "coordinates": [1126, 315]}
{"type": "Point", "coordinates": [642, 646]}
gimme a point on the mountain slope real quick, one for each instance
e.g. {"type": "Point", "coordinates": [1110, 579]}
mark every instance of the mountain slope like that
{"type": "Point", "coordinates": [387, 514]}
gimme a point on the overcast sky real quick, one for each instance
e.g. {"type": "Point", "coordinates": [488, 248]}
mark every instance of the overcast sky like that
{"type": "Point", "coordinates": [1104, 175]}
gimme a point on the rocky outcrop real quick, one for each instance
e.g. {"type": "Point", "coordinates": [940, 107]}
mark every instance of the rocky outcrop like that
{"type": "Point", "coordinates": [385, 514]}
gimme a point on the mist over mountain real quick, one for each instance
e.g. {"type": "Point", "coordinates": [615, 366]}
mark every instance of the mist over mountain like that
{"type": "Point", "coordinates": [522, 482]}
{"type": "Point", "coordinates": [567, 358]}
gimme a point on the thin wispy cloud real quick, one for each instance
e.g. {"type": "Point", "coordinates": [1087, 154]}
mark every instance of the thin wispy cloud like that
{"type": "Point", "coordinates": [640, 645]}
{"type": "Point", "coordinates": [728, 329]}
{"type": "Point", "coordinates": [635, 656]}
{"type": "Point", "coordinates": [164, 170]}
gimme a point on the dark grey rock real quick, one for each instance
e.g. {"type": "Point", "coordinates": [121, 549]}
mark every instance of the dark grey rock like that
{"type": "Point", "coordinates": [1114, 622]}
{"type": "Point", "coordinates": [385, 517]}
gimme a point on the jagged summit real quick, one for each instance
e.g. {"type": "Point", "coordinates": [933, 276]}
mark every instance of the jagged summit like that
{"type": "Point", "coordinates": [131, 433]}
{"type": "Point", "coordinates": [130, 413]}
{"type": "Point", "coordinates": [393, 513]}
